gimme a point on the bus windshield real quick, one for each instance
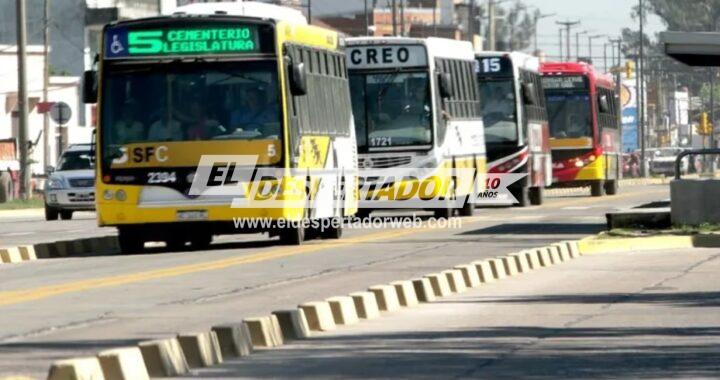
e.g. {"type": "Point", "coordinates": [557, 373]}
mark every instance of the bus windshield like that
{"type": "Point", "coordinates": [569, 114]}
{"type": "Point", "coordinates": [498, 108]}
{"type": "Point", "coordinates": [189, 102]}
{"type": "Point", "coordinates": [391, 109]}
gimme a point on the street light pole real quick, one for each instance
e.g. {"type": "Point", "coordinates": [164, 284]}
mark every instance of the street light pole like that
{"type": "Point", "coordinates": [367, 20]}
{"type": "Point", "coordinates": [590, 40]}
{"type": "Point", "coordinates": [560, 35]}
{"type": "Point", "coordinates": [394, 17]}
{"type": "Point", "coordinates": [568, 25]}
{"type": "Point", "coordinates": [46, 84]}
{"type": "Point", "coordinates": [491, 25]}
{"type": "Point", "coordinates": [577, 43]}
{"type": "Point", "coordinates": [538, 17]}
{"type": "Point", "coordinates": [22, 106]}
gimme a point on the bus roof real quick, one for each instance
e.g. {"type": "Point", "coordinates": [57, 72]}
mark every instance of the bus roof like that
{"type": "Point", "coordinates": [519, 59]}
{"type": "Point", "coordinates": [244, 8]}
{"type": "Point", "coordinates": [582, 68]}
{"type": "Point", "coordinates": [436, 47]}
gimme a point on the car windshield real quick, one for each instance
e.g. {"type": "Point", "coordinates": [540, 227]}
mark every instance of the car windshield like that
{"type": "Point", "coordinates": [188, 102]}
{"type": "Point", "coordinates": [78, 160]}
{"type": "Point", "coordinates": [569, 114]}
{"type": "Point", "coordinates": [498, 107]}
{"type": "Point", "coordinates": [391, 109]}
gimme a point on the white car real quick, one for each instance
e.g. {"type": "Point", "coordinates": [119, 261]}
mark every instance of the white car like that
{"type": "Point", "coordinates": [662, 162]}
{"type": "Point", "coordinates": [72, 186]}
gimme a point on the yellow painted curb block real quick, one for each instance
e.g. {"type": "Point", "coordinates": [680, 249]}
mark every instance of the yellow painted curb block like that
{"type": "Point", "coordinates": [554, 255]}
{"type": "Point", "coordinates": [319, 316]}
{"type": "Point", "coordinates": [27, 252]}
{"type": "Point", "coordinates": [234, 340]}
{"type": "Point", "coordinates": [406, 293]}
{"type": "Point", "coordinates": [498, 269]}
{"type": "Point", "coordinates": [163, 358]}
{"type": "Point", "coordinates": [293, 324]}
{"type": "Point", "coordinates": [386, 297]}
{"type": "Point", "coordinates": [343, 310]}
{"type": "Point", "coordinates": [532, 258]}
{"type": "Point", "coordinates": [123, 364]}
{"type": "Point", "coordinates": [592, 245]}
{"type": "Point", "coordinates": [510, 266]}
{"type": "Point", "coordinates": [76, 369]}
{"type": "Point", "coordinates": [365, 305]}
{"type": "Point", "coordinates": [521, 262]}
{"type": "Point", "coordinates": [423, 289]}
{"type": "Point", "coordinates": [201, 349]}
{"type": "Point", "coordinates": [484, 271]}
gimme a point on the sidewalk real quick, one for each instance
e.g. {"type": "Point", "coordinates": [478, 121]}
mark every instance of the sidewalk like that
{"type": "Point", "coordinates": [625, 315]}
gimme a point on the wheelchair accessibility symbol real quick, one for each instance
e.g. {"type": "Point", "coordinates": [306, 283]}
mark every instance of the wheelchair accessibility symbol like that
{"type": "Point", "coordinates": [116, 47]}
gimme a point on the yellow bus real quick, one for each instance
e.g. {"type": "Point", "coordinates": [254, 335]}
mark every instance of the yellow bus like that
{"type": "Point", "coordinates": [192, 106]}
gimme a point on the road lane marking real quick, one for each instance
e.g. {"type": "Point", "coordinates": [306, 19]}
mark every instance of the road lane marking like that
{"type": "Point", "coordinates": [17, 234]}
{"type": "Point", "coordinates": [20, 296]}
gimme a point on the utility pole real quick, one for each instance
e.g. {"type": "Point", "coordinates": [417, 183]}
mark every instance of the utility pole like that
{"type": "Point", "coordinates": [471, 20]}
{"type": "Point", "coordinates": [590, 40]}
{"type": "Point", "coordinates": [491, 25]}
{"type": "Point", "coordinates": [22, 106]}
{"type": "Point", "coordinates": [309, 8]}
{"type": "Point", "coordinates": [367, 20]}
{"type": "Point", "coordinates": [568, 25]}
{"type": "Point", "coordinates": [402, 18]}
{"type": "Point", "coordinates": [394, 17]}
{"type": "Point", "coordinates": [577, 43]}
{"type": "Point", "coordinates": [560, 35]}
{"type": "Point", "coordinates": [605, 67]}
{"type": "Point", "coordinates": [539, 16]}
{"type": "Point", "coordinates": [435, 18]}
{"type": "Point", "coordinates": [46, 84]}
{"type": "Point", "coordinates": [641, 95]}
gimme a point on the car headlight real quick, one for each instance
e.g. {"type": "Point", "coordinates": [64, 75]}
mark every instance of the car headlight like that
{"type": "Point", "coordinates": [55, 184]}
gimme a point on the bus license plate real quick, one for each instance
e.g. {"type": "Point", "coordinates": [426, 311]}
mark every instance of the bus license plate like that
{"type": "Point", "coordinates": [192, 215]}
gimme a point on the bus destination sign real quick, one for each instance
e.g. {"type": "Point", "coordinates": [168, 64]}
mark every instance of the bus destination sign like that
{"type": "Point", "coordinates": [122, 42]}
{"type": "Point", "coordinates": [564, 82]}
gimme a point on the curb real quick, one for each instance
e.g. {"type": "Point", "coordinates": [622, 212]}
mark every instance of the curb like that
{"type": "Point", "coordinates": [104, 245]}
{"type": "Point", "coordinates": [623, 182]}
{"type": "Point", "coordinates": [178, 355]}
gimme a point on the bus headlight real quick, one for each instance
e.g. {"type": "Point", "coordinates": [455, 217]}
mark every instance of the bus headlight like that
{"type": "Point", "coordinates": [120, 195]}
{"type": "Point", "coordinates": [108, 195]}
{"type": "Point", "coordinates": [579, 164]}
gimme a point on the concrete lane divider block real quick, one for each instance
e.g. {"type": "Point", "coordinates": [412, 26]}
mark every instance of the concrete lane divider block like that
{"type": "Point", "coordinates": [76, 369]}
{"type": "Point", "coordinates": [455, 280]}
{"type": "Point", "coordinates": [386, 297]}
{"type": "Point", "coordinates": [440, 285]}
{"type": "Point", "coordinates": [10, 255]}
{"type": "Point", "coordinates": [533, 259]}
{"type": "Point", "coordinates": [343, 310]}
{"type": "Point", "coordinates": [77, 247]}
{"type": "Point", "coordinates": [563, 250]}
{"type": "Point", "coordinates": [123, 364]}
{"type": "Point", "coordinates": [521, 262]}
{"type": "Point", "coordinates": [484, 271]}
{"type": "Point", "coordinates": [554, 255]}
{"type": "Point", "coordinates": [423, 289]}
{"type": "Point", "coordinates": [293, 324]}
{"type": "Point", "coordinates": [234, 340]}
{"type": "Point", "coordinates": [64, 248]}
{"type": "Point", "coordinates": [365, 305]}
{"type": "Point", "coordinates": [319, 316]}
{"type": "Point", "coordinates": [470, 275]}
{"type": "Point", "coordinates": [573, 248]}
{"type": "Point", "coordinates": [406, 293]}
{"type": "Point", "coordinates": [163, 358]}
{"type": "Point", "coordinates": [544, 256]}
{"type": "Point", "coordinates": [510, 266]}
{"type": "Point", "coordinates": [264, 331]}
{"type": "Point", "coordinates": [201, 349]}
{"type": "Point", "coordinates": [27, 252]}
{"type": "Point", "coordinates": [498, 268]}
{"type": "Point", "coordinates": [45, 250]}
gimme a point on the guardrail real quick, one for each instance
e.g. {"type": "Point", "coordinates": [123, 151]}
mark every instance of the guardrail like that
{"type": "Point", "coordinates": [693, 152]}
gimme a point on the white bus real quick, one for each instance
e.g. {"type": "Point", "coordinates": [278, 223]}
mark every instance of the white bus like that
{"type": "Point", "coordinates": [416, 104]}
{"type": "Point", "coordinates": [516, 124]}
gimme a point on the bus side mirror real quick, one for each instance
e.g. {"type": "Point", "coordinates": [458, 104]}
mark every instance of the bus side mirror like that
{"type": "Point", "coordinates": [90, 88]}
{"type": "Point", "coordinates": [445, 83]}
{"type": "Point", "coordinates": [604, 104]}
{"type": "Point", "coordinates": [529, 95]}
{"type": "Point", "coordinates": [298, 79]}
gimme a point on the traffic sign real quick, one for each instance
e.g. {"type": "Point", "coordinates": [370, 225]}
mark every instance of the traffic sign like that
{"type": "Point", "coordinates": [60, 112]}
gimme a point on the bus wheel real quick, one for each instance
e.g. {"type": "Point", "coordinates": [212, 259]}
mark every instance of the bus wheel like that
{"type": "Point", "coordinates": [536, 195]}
{"type": "Point", "coordinates": [175, 245]}
{"type": "Point", "coordinates": [363, 213]}
{"type": "Point", "coordinates": [292, 234]}
{"type": "Point", "coordinates": [597, 189]}
{"type": "Point", "coordinates": [468, 209]}
{"type": "Point", "coordinates": [334, 231]}
{"type": "Point", "coordinates": [611, 187]}
{"type": "Point", "coordinates": [522, 196]}
{"type": "Point", "coordinates": [130, 241]}
{"type": "Point", "coordinates": [66, 214]}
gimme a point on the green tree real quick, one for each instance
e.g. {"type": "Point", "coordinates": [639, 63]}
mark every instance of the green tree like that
{"type": "Point", "coordinates": [515, 27]}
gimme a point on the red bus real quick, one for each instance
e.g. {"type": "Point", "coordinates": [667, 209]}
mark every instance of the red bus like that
{"type": "Point", "coordinates": [584, 127]}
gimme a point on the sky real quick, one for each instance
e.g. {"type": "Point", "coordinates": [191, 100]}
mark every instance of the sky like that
{"type": "Point", "coordinates": [606, 17]}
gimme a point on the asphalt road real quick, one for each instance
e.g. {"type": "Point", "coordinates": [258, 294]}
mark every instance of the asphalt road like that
{"type": "Point", "coordinates": [54, 309]}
